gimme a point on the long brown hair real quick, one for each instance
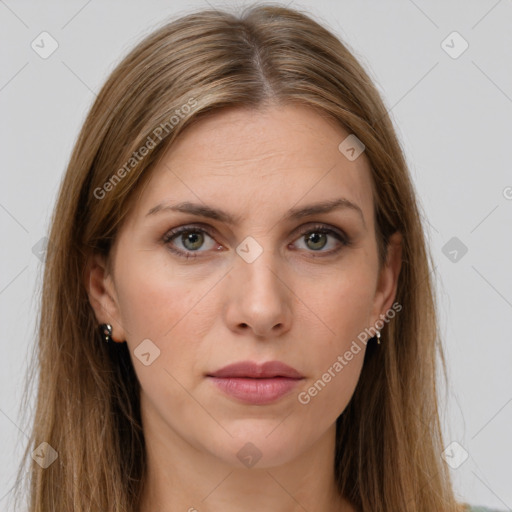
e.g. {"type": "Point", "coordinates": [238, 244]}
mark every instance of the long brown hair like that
{"type": "Point", "coordinates": [389, 440]}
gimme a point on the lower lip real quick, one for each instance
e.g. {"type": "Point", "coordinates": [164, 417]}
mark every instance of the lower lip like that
{"type": "Point", "coordinates": [256, 391]}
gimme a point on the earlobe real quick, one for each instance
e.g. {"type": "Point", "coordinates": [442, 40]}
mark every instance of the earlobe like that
{"type": "Point", "coordinates": [102, 294]}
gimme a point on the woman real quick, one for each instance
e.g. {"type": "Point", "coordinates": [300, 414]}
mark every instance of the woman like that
{"type": "Point", "coordinates": [237, 310]}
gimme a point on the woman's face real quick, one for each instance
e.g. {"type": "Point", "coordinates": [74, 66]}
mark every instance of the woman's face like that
{"type": "Point", "coordinates": [257, 277]}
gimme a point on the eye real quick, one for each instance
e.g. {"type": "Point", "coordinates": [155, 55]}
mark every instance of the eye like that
{"type": "Point", "coordinates": [317, 237]}
{"type": "Point", "coordinates": [191, 239]}
{"type": "Point", "coordinates": [184, 241]}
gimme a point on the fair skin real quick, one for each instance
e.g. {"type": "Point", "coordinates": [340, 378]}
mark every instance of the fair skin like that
{"type": "Point", "coordinates": [299, 302]}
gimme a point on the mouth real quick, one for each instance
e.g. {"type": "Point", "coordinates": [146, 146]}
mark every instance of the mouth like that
{"type": "Point", "coordinates": [255, 391]}
{"type": "Point", "coordinates": [256, 384]}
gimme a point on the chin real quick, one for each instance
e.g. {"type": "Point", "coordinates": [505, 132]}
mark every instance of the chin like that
{"type": "Point", "coordinates": [256, 447]}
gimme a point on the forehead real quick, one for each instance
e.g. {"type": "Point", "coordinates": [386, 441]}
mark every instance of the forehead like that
{"type": "Point", "coordinates": [247, 159]}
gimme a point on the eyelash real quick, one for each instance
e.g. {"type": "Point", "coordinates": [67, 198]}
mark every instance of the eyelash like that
{"type": "Point", "coordinates": [318, 228]}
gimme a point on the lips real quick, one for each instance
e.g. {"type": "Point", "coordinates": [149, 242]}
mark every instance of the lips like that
{"type": "Point", "coordinates": [256, 384]}
{"type": "Point", "coordinates": [253, 370]}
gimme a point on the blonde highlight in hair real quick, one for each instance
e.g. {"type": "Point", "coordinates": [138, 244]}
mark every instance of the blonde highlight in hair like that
{"type": "Point", "coordinates": [87, 404]}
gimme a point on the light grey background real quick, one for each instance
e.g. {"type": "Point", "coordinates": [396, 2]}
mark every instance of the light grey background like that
{"type": "Point", "coordinates": [453, 116]}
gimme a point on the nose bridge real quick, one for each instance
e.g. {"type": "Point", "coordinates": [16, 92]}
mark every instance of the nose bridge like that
{"type": "Point", "coordinates": [258, 297]}
{"type": "Point", "coordinates": [257, 266]}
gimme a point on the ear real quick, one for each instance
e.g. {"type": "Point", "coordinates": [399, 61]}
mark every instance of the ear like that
{"type": "Point", "coordinates": [102, 295]}
{"type": "Point", "coordinates": [388, 278]}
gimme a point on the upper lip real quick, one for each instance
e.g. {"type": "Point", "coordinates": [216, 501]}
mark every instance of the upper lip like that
{"type": "Point", "coordinates": [251, 369]}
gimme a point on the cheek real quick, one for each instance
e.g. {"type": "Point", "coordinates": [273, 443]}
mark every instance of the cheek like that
{"type": "Point", "coordinates": [148, 306]}
{"type": "Point", "coordinates": [335, 362]}
{"type": "Point", "coordinates": [342, 304]}
{"type": "Point", "coordinates": [343, 301]}
{"type": "Point", "coordinates": [335, 359]}
{"type": "Point", "coordinates": [153, 299]}
{"type": "Point", "coordinates": [174, 311]}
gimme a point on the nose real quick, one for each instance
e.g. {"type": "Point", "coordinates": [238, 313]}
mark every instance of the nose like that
{"type": "Point", "coordinates": [258, 298]}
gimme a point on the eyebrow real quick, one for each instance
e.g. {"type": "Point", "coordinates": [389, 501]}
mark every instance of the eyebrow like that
{"type": "Point", "coordinates": [202, 210]}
